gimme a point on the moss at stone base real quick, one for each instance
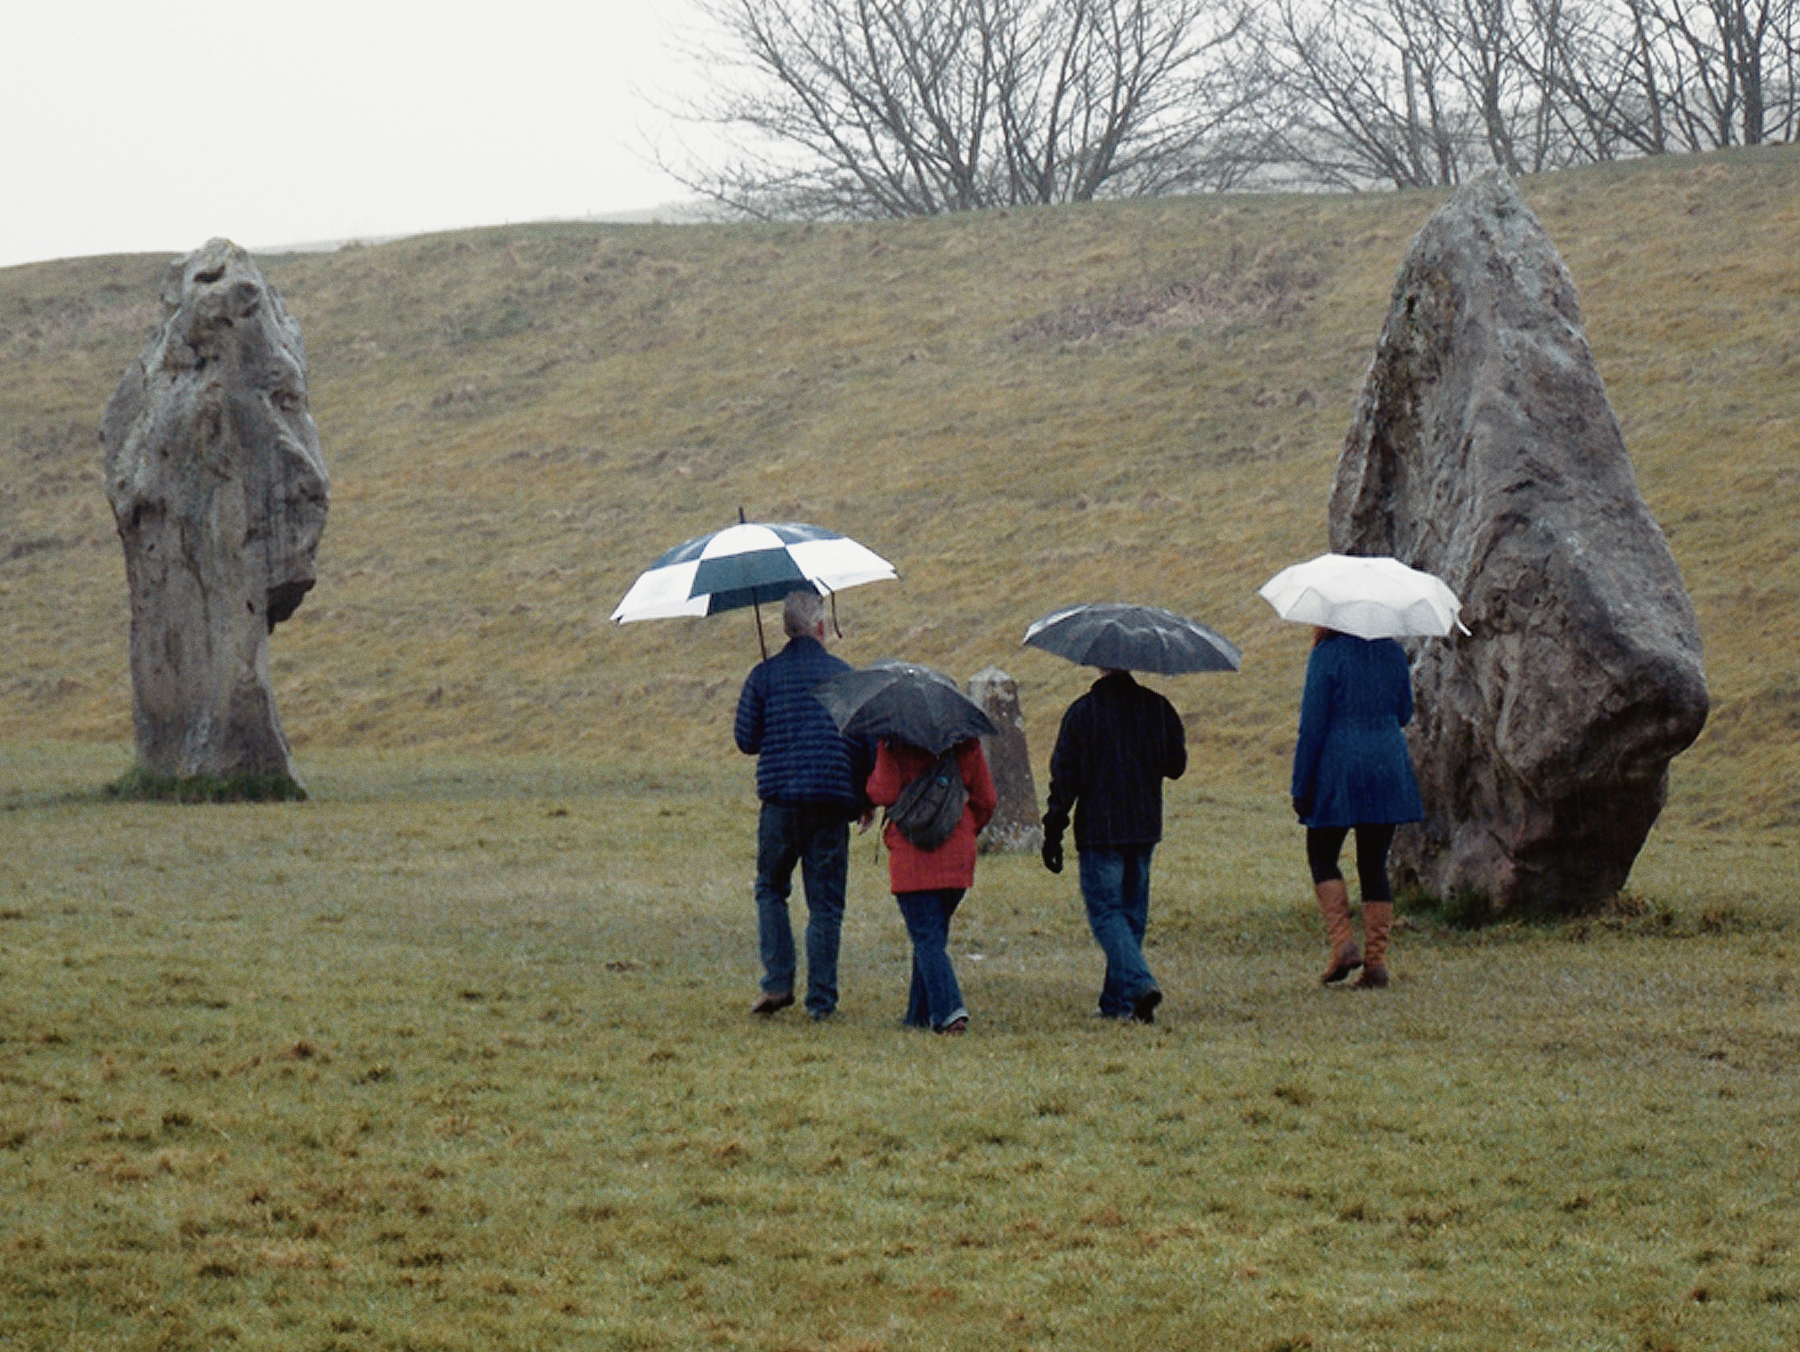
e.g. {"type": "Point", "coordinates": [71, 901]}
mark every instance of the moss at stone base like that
{"type": "Point", "coordinates": [140, 785]}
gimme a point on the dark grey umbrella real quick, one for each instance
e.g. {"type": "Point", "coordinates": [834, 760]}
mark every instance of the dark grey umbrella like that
{"type": "Point", "coordinates": [1133, 638]}
{"type": "Point", "coordinates": [905, 701]}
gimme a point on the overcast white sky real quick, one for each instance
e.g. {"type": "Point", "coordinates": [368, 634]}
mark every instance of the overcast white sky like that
{"type": "Point", "coordinates": [147, 126]}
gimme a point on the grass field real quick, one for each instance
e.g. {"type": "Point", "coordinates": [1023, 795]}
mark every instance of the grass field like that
{"type": "Point", "coordinates": [455, 1054]}
{"type": "Point", "coordinates": [1134, 401]}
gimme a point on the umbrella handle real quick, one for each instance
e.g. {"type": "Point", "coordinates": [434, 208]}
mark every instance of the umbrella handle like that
{"type": "Point", "coordinates": [762, 644]}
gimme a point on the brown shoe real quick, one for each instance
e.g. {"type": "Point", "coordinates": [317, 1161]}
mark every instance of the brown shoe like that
{"type": "Point", "coordinates": [771, 1001]}
{"type": "Point", "coordinates": [1334, 906]}
{"type": "Point", "coordinates": [1378, 919]}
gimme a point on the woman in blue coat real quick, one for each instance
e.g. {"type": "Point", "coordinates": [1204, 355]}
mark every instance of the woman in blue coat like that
{"type": "Point", "coordinates": [1352, 771]}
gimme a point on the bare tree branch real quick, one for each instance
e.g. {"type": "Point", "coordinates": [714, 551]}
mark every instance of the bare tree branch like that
{"type": "Point", "coordinates": [847, 108]}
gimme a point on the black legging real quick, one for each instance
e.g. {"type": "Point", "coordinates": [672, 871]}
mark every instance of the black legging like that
{"type": "Point", "coordinates": [1325, 843]}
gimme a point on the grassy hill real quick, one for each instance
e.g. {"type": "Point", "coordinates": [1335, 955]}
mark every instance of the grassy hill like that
{"type": "Point", "coordinates": [1138, 401]}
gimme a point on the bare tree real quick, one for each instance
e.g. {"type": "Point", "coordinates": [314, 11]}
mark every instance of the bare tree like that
{"type": "Point", "coordinates": [1723, 69]}
{"type": "Point", "coordinates": [1359, 94]}
{"type": "Point", "coordinates": [871, 108]}
{"type": "Point", "coordinates": [1420, 92]}
{"type": "Point", "coordinates": [860, 108]}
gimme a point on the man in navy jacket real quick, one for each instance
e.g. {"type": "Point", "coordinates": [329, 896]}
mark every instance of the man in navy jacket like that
{"type": "Point", "coordinates": [809, 779]}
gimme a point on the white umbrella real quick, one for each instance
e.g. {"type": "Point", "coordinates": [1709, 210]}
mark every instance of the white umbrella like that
{"type": "Point", "coordinates": [1370, 597]}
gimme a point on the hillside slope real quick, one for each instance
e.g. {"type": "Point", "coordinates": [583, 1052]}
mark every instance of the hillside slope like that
{"type": "Point", "coordinates": [1138, 401]}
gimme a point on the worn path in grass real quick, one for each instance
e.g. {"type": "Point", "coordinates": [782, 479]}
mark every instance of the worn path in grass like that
{"type": "Point", "coordinates": [455, 1056]}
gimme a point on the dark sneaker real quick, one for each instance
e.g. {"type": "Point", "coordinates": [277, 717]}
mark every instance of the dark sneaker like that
{"type": "Point", "coordinates": [1143, 1009]}
{"type": "Point", "coordinates": [771, 1001]}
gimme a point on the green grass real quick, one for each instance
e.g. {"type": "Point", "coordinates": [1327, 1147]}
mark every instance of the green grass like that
{"type": "Point", "coordinates": [455, 1055]}
{"type": "Point", "coordinates": [517, 420]}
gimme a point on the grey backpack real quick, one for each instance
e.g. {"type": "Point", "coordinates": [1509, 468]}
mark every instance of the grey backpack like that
{"type": "Point", "coordinates": [928, 809]}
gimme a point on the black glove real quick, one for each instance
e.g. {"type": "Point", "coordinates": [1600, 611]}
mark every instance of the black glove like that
{"type": "Point", "coordinates": [1303, 807]}
{"type": "Point", "coordinates": [1052, 853]}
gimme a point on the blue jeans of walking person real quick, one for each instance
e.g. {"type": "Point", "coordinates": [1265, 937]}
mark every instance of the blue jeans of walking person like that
{"type": "Point", "coordinates": [1115, 884]}
{"type": "Point", "coordinates": [815, 836]}
{"type": "Point", "coordinates": [935, 998]}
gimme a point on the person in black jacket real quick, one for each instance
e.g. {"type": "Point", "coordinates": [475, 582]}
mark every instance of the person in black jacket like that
{"type": "Point", "coordinates": [1117, 744]}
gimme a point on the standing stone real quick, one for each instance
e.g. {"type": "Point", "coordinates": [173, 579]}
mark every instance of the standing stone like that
{"type": "Point", "coordinates": [1484, 450]}
{"type": "Point", "coordinates": [219, 494]}
{"type": "Point", "coordinates": [1015, 825]}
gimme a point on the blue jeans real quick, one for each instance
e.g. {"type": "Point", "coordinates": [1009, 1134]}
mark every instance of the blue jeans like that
{"type": "Point", "coordinates": [935, 998]}
{"type": "Point", "coordinates": [816, 836]}
{"type": "Point", "coordinates": [1115, 884]}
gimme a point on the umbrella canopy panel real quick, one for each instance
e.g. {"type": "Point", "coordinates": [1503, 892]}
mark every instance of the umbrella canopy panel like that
{"type": "Point", "coordinates": [906, 701]}
{"type": "Point", "coordinates": [1125, 637]}
{"type": "Point", "coordinates": [748, 564]}
{"type": "Point", "coordinates": [1371, 597]}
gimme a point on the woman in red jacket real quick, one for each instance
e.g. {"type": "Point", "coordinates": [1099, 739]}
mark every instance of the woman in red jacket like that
{"type": "Point", "coordinates": [929, 884]}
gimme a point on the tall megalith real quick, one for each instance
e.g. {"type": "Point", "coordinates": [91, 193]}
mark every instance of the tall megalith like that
{"type": "Point", "coordinates": [219, 494]}
{"type": "Point", "coordinates": [1484, 449]}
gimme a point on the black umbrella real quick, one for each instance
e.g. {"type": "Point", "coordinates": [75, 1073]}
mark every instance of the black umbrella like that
{"type": "Point", "coordinates": [905, 701]}
{"type": "Point", "coordinates": [1133, 638]}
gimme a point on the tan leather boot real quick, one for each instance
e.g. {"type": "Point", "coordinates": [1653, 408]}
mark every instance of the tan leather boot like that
{"type": "Point", "coordinates": [1378, 919]}
{"type": "Point", "coordinates": [1334, 905]}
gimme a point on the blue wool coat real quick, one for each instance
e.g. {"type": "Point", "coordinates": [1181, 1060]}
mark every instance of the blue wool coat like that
{"type": "Point", "coordinates": [801, 755]}
{"type": "Point", "coordinates": [1351, 761]}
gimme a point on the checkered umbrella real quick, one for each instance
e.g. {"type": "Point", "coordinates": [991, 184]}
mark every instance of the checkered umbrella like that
{"type": "Point", "coordinates": [746, 565]}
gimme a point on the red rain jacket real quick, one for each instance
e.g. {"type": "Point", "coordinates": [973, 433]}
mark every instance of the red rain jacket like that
{"type": "Point", "coordinates": [952, 864]}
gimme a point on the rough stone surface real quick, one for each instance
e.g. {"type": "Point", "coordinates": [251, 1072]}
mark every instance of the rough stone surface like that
{"type": "Point", "coordinates": [219, 494]}
{"type": "Point", "coordinates": [1484, 450]}
{"type": "Point", "coordinates": [1015, 825]}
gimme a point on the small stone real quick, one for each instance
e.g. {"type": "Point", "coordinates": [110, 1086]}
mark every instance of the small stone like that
{"type": "Point", "coordinates": [1015, 826]}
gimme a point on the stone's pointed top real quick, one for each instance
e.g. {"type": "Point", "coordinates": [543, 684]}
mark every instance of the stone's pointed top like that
{"type": "Point", "coordinates": [1484, 450]}
{"type": "Point", "coordinates": [205, 266]}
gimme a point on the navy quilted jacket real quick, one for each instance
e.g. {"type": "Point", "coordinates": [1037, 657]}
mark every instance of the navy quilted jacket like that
{"type": "Point", "coordinates": [801, 755]}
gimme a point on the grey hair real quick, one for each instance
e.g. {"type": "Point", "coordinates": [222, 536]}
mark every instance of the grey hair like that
{"type": "Point", "coordinates": [802, 613]}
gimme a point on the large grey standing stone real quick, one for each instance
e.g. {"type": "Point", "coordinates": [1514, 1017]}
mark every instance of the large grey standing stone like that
{"type": "Point", "coordinates": [1484, 450]}
{"type": "Point", "coordinates": [1015, 825]}
{"type": "Point", "coordinates": [219, 494]}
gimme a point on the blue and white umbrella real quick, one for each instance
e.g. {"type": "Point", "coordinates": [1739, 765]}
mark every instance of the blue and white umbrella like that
{"type": "Point", "coordinates": [746, 565]}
